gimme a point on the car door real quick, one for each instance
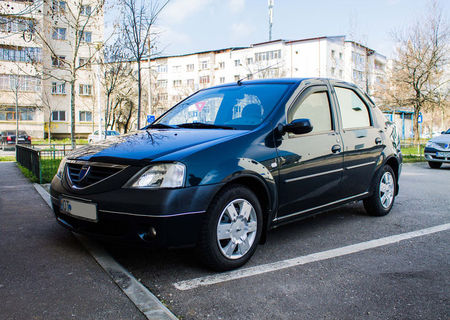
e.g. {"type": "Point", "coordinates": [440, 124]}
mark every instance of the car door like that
{"type": "Point", "coordinates": [311, 164]}
{"type": "Point", "coordinates": [362, 141]}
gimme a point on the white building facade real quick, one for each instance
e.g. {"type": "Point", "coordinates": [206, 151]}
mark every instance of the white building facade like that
{"type": "Point", "coordinates": [175, 77]}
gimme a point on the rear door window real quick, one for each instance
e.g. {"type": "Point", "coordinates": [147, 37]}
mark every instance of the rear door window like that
{"type": "Point", "coordinates": [354, 112]}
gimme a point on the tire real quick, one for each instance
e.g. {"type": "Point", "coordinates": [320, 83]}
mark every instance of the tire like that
{"type": "Point", "coordinates": [434, 165]}
{"type": "Point", "coordinates": [383, 193]}
{"type": "Point", "coordinates": [235, 214]}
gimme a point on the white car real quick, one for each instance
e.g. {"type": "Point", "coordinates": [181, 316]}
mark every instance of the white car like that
{"type": "Point", "coordinates": [437, 150]}
{"type": "Point", "coordinates": [94, 137]}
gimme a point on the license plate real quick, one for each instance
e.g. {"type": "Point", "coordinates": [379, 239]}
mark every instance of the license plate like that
{"type": "Point", "coordinates": [79, 209]}
{"type": "Point", "coordinates": [21, 139]}
{"type": "Point", "coordinates": [443, 154]}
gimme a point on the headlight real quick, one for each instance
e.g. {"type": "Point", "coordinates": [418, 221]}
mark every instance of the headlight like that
{"type": "Point", "coordinates": [61, 167]}
{"type": "Point", "coordinates": [165, 175]}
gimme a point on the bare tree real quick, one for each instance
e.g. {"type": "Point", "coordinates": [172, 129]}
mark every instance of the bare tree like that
{"type": "Point", "coordinates": [420, 65]}
{"type": "Point", "coordinates": [138, 16]}
{"type": "Point", "coordinates": [72, 22]}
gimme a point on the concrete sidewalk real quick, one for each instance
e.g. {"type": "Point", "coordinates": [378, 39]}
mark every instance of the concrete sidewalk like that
{"type": "Point", "coordinates": [44, 272]}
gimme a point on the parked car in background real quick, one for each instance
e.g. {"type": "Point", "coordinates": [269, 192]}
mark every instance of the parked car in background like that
{"type": "Point", "coordinates": [229, 163]}
{"type": "Point", "coordinates": [8, 138]}
{"type": "Point", "coordinates": [94, 137]}
{"type": "Point", "coordinates": [437, 150]}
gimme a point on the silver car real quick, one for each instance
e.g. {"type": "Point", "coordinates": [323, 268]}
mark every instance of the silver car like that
{"type": "Point", "coordinates": [437, 150]}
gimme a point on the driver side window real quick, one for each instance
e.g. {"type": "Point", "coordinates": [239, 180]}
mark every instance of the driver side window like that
{"type": "Point", "coordinates": [315, 107]}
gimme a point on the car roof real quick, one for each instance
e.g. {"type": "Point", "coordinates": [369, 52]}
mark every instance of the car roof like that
{"type": "Point", "coordinates": [281, 81]}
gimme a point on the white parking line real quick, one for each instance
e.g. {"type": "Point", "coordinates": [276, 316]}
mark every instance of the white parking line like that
{"type": "Point", "coordinates": [324, 255]}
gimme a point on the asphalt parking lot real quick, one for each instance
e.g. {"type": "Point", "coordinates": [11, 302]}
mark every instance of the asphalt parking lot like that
{"type": "Point", "coordinates": [398, 280]}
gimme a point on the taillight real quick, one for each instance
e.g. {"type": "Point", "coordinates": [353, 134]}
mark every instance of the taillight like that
{"type": "Point", "coordinates": [8, 138]}
{"type": "Point", "coordinates": [29, 138]}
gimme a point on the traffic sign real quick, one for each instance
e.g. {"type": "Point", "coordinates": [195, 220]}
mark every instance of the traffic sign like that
{"type": "Point", "coordinates": [150, 118]}
{"type": "Point", "coordinates": [420, 118]}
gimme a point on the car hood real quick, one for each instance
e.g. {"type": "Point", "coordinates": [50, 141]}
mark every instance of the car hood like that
{"type": "Point", "coordinates": [150, 144]}
{"type": "Point", "coordinates": [443, 138]}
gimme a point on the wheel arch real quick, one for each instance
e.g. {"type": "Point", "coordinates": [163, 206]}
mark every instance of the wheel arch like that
{"type": "Point", "coordinates": [258, 186]}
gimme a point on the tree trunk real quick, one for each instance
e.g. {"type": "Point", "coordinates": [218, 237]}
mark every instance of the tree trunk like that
{"type": "Point", "coordinates": [417, 108]}
{"type": "Point", "coordinates": [139, 94]}
{"type": "Point", "coordinates": [72, 113]}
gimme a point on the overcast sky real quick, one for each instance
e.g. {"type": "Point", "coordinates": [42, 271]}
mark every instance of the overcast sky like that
{"type": "Point", "coordinates": [198, 25]}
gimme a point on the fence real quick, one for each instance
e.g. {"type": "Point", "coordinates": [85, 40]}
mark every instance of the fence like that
{"type": "Point", "coordinates": [43, 163]}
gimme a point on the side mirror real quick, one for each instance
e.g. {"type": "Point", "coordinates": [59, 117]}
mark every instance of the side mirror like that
{"type": "Point", "coordinates": [298, 126]}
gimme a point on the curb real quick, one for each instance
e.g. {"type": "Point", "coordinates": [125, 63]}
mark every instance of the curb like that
{"type": "Point", "coordinates": [142, 298]}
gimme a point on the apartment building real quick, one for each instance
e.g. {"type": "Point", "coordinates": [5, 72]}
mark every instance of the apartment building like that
{"type": "Point", "coordinates": [38, 53]}
{"type": "Point", "coordinates": [175, 77]}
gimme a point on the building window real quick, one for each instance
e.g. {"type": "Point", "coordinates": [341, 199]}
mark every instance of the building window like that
{"type": "Point", "coordinates": [59, 34]}
{"type": "Point", "coordinates": [333, 53]}
{"type": "Point", "coordinates": [236, 77]}
{"type": "Point", "coordinates": [162, 96]}
{"type": "Point", "coordinates": [162, 68]}
{"type": "Point", "coordinates": [58, 62]}
{"type": "Point", "coordinates": [86, 10]}
{"type": "Point", "coordinates": [249, 60]}
{"type": "Point", "coordinates": [190, 67]}
{"type": "Point", "coordinates": [58, 116]}
{"type": "Point", "coordinates": [190, 83]}
{"type": "Point", "coordinates": [20, 83]}
{"type": "Point", "coordinates": [357, 75]}
{"type": "Point", "coordinates": [22, 54]}
{"type": "Point", "coordinates": [340, 55]}
{"type": "Point", "coordinates": [249, 76]}
{"type": "Point", "coordinates": [86, 116]}
{"type": "Point", "coordinates": [237, 63]}
{"type": "Point", "coordinates": [162, 83]}
{"type": "Point", "coordinates": [9, 113]}
{"type": "Point", "coordinates": [58, 88]}
{"type": "Point", "coordinates": [221, 65]}
{"type": "Point", "coordinates": [176, 68]}
{"type": "Point", "coordinates": [268, 55]}
{"type": "Point", "coordinates": [177, 83]}
{"type": "Point", "coordinates": [222, 80]}
{"type": "Point", "coordinates": [84, 63]}
{"type": "Point", "coordinates": [85, 89]}
{"type": "Point", "coordinates": [85, 36]}
{"type": "Point", "coordinates": [16, 25]}
{"type": "Point", "coordinates": [333, 70]}
{"type": "Point", "coordinates": [203, 65]}
{"type": "Point", "coordinates": [58, 6]}
{"type": "Point", "coordinates": [204, 79]}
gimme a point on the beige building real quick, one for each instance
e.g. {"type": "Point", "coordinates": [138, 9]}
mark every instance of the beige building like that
{"type": "Point", "coordinates": [39, 56]}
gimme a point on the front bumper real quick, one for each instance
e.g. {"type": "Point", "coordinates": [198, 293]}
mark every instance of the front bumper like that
{"type": "Point", "coordinates": [163, 217]}
{"type": "Point", "coordinates": [432, 154]}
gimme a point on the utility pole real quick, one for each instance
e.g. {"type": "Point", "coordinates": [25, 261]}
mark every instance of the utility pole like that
{"type": "Point", "coordinates": [271, 4]}
{"type": "Point", "coordinates": [149, 80]}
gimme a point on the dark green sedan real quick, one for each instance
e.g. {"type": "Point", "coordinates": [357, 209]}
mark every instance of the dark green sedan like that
{"type": "Point", "coordinates": [229, 163]}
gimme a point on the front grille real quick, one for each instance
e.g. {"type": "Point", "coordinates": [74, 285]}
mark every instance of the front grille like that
{"type": "Point", "coordinates": [82, 174]}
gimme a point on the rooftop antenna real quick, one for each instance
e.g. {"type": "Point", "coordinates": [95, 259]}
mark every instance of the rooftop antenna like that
{"type": "Point", "coordinates": [270, 18]}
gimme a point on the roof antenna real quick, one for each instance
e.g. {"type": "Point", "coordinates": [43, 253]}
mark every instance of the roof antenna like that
{"type": "Point", "coordinates": [239, 82]}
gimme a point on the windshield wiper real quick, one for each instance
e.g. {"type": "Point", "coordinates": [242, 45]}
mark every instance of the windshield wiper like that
{"type": "Point", "coordinates": [201, 125]}
{"type": "Point", "coordinates": [161, 126]}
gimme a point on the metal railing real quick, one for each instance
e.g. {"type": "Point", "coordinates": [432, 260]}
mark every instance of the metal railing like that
{"type": "Point", "coordinates": [43, 163]}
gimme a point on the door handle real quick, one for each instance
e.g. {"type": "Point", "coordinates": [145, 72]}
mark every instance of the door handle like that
{"type": "Point", "coordinates": [378, 140]}
{"type": "Point", "coordinates": [336, 148]}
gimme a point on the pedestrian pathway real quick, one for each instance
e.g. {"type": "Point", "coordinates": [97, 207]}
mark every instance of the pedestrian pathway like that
{"type": "Point", "coordinates": [44, 271]}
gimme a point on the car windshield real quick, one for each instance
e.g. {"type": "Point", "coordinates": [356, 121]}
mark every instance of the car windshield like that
{"type": "Point", "coordinates": [447, 132]}
{"type": "Point", "coordinates": [235, 107]}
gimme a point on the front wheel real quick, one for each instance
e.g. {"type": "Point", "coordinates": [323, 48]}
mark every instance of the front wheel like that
{"type": "Point", "coordinates": [232, 229]}
{"type": "Point", "coordinates": [382, 199]}
{"type": "Point", "coordinates": [434, 165]}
